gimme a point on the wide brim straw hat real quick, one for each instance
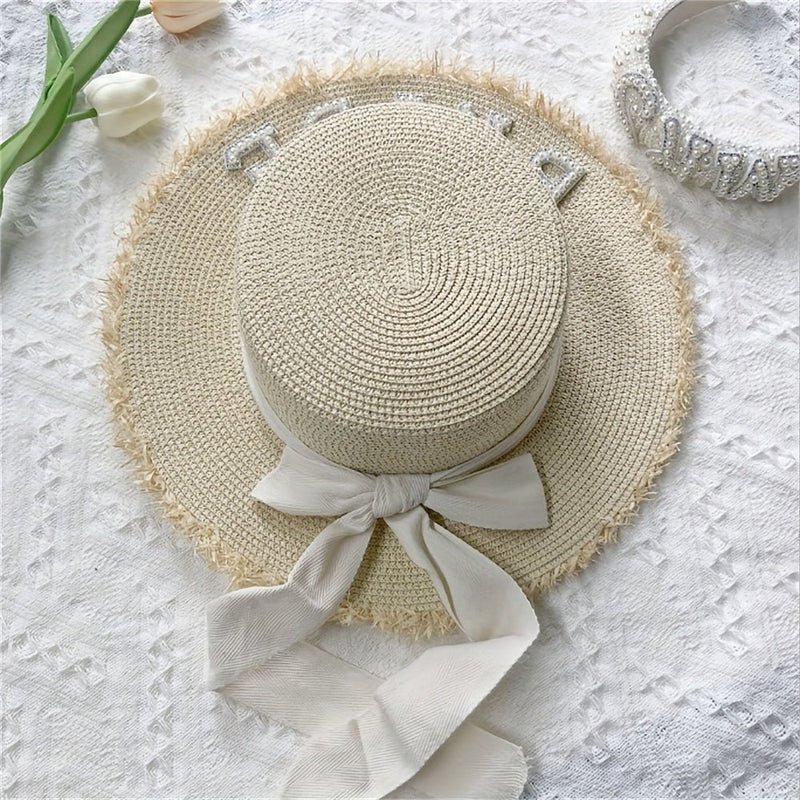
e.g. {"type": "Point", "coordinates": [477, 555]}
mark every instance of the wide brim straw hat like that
{"type": "Point", "coordinates": [186, 414]}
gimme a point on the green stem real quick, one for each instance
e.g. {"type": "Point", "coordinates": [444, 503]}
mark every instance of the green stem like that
{"type": "Point", "coordinates": [79, 115]}
{"type": "Point", "coordinates": [144, 11]}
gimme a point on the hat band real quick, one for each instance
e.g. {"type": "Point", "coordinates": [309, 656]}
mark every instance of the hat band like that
{"type": "Point", "coordinates": [492, 454]}
{"type": "Point", "coordinates": [387, 737]}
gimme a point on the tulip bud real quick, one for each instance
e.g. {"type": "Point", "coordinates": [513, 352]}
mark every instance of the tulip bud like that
{"type": "Point", "coordinates": [124, 101]}
{"type": "Point", "coordinates": [179, 16]}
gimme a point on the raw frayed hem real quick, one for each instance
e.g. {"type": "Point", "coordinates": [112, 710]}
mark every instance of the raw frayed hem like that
{"type": "Point", "coordinates": [407, 621]}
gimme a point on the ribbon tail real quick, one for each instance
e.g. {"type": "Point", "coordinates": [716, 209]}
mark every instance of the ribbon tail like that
{"type": "Point", "coordinates": [413, 713]}
{"type": "Point", "coordinates": [249, 626]}
{"type": "Point", "coordinates": [308, 689]}
{"type": "Point", "coordinates": [473, 764]}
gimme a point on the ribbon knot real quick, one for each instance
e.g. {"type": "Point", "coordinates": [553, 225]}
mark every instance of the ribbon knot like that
{"type": "Point", "coordinates": [396, 494]}
{"type": "Point", "coordinates": [389, 737]}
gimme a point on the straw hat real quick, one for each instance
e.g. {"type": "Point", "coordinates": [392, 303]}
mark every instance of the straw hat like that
{"type": "Point", "coordinates": [404, 256]}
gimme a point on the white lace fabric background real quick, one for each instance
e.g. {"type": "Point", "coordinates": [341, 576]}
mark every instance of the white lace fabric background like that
{"type": "Point", "coordinates": [669, 668]}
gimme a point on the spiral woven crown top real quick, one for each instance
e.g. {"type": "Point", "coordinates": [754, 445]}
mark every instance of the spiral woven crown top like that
{"type": "Point", "coordinates": [401, 276]}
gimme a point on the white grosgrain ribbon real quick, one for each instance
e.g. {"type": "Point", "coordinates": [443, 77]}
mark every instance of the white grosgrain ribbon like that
{"type": "Point", "coordinates": [377, 735]}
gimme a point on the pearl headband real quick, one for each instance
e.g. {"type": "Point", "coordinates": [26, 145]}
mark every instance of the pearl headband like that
{"type": "Point", "coordinates": [671, 139]}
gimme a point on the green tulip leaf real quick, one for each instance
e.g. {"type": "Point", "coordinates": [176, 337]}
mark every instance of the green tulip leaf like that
{"type": "Point", "coordinates": [18, 133]}
{"type": "Point", "coordinates": [58, 49]}
{"type": "Point", "coordinates": [100, 41]}
{"type": "Point", "coordinates": [43, 127]}
{"type": "Point", "coordinates": [60, 35]}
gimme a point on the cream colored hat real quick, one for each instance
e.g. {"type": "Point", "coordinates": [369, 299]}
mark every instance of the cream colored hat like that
{"type": "Point", "coordinates": [401, 265]}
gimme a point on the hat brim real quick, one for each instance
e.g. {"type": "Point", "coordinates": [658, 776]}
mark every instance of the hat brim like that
{"type": "Point", "coordinates": [184, 411]}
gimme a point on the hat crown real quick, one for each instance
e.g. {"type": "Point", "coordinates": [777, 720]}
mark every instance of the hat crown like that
{"type": "Point", "coordinates": [401, 275]}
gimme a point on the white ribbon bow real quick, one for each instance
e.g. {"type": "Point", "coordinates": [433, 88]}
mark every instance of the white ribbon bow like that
{"type": "Point", "coordinates": [367, 737]}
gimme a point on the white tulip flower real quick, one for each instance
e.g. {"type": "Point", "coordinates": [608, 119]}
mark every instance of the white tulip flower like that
{"type": "Point", "coordinates": [179, 16]}
{"type": "Point", "coordinates": [124, 101]}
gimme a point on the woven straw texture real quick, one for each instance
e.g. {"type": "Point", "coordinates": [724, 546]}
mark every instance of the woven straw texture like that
{"type": "Point", "coordinates": [184, 408]}
{"type": "Point", "coordinates": [400, 283]}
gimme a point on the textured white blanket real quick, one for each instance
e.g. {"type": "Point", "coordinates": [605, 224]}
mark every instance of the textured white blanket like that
{"type": "Point", "coordinates": [667, 669]}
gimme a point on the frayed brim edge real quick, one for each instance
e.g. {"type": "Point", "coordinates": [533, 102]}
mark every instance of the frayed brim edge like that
{"type": "Point", "coordinates": [207, 542]}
